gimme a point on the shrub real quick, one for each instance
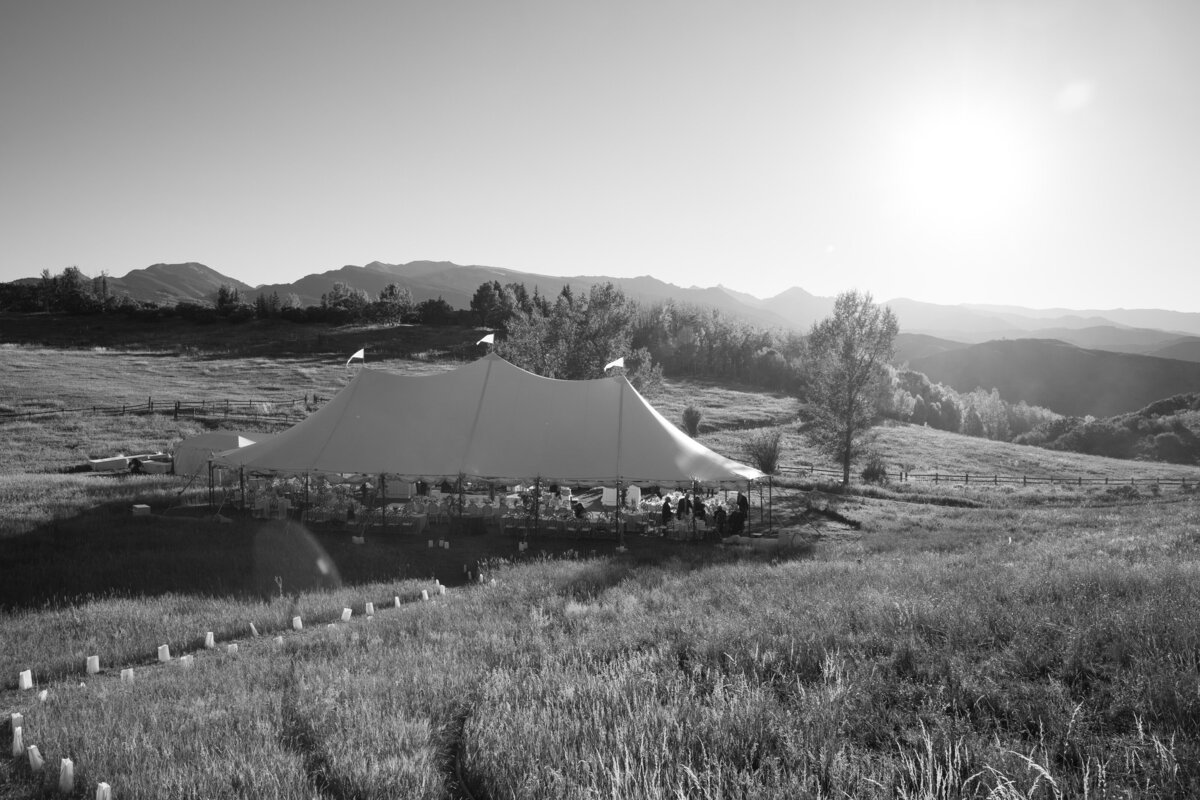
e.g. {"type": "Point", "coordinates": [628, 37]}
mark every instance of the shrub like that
{"type": "Point", "coordinates": [875, 470]}
{"type": "Point", "coordinates": [763, 448]}
{"type": "Point", "coordinates": [691, 420]}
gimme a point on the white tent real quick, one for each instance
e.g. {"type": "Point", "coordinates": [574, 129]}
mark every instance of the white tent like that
{"type": "Point", "coordinates": [192, 454]}
{"type": "Point", "coordinates": [491, 420]}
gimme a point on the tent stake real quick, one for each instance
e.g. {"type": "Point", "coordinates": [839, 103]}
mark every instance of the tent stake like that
{"type": "Point", "coordinates": [383, 501]}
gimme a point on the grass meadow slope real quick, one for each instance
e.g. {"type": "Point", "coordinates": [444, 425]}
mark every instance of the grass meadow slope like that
{"type": "Point", "coordinates": [963, 641]}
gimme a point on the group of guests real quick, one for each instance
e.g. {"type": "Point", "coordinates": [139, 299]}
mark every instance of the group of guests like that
{"type": "Point", "coordinates": [733, 521]}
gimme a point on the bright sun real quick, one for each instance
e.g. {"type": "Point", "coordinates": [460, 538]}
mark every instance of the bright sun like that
{"type": "Point", "coordinates": [964, 167]}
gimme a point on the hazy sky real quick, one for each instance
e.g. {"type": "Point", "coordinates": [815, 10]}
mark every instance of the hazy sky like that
{"type": "Point", "coordinates": [1034, 152]}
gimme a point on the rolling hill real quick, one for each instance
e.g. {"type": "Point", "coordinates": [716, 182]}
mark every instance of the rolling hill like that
{"type": "Point", "coordinates": [1060, 376]}
{"type": "Point", "coordinates": [171, 283]}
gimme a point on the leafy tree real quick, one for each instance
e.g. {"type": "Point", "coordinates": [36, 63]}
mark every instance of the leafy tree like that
{"type": "Point", "coordinates": [577, 336]}
{"type": "Point", "coordinates": [435, 312]}
{"type": "Point", "coordinates": [847, 354]}
{"type": "Point", "coordinates": [74, 292]}
{"type": "Point", "coordinates": [395, 304]}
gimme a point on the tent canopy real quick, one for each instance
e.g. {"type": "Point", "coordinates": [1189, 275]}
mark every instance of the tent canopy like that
{"type": "Point", "coordinates": [495, 421]}
{"type": "Point", "coordinates": [193, 454]}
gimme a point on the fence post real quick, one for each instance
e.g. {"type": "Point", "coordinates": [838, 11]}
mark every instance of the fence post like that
{"type": "Point", "coordinates": [176, 409]}
{"type": "Point", "coordinates": [966, 477]}
{"type": "Point", "coordinates": [1081, 480]}
{"type": "Point", "coordinates": [935, 476]}
{"type": "Point", "coordinates": [1024, 480]}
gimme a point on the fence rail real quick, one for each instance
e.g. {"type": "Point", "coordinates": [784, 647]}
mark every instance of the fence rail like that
{"type": "Point", "coordinates": [255, 409]}
{"type": "Point", "coordinates": [966, 479]}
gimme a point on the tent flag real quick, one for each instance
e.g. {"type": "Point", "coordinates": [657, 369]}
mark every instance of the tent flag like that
{"type": "Point", "coordinates": [617, 362]}
{"type": "Point", "coordinates": [362, 354]}
{"type": "Point", "coordinates": [489, 339]}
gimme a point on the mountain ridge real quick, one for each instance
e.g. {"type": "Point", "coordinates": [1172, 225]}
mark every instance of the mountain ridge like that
{"type": "Point", "coordinates": [793, 308]}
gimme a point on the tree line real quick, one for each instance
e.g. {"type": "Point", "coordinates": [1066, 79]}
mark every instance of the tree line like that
{"type": "Point", "coordinates": [574, 334]}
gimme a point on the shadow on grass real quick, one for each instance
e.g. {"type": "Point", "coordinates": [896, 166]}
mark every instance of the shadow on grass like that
{"type": "Point", "coordinates": [106, 553]}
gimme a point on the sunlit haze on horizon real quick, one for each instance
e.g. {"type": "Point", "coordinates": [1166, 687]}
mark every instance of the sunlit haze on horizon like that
{"type": "Point", "coordinates": [1029, 153]}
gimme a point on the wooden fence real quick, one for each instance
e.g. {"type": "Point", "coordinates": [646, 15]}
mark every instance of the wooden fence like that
{"type": "Point", "coordinates": [192, 409]}
{"type": "Point", "coordinates": [968, 479]}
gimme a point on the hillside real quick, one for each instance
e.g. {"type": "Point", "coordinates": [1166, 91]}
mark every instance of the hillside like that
{"type": "Point", "coordinates": [1166, 430]}
{"type": "Point", "coordinates": [911, 346]}
{"type": "Point", "coordinates": [1062, 377]}
{"type": "Point", "coordinates": [167, 284]}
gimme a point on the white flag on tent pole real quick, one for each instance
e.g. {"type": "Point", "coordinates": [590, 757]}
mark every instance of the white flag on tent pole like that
{"type": "Point", "coordinates": [489, 339]}
{"type": "Point", "coordinates": [617, 362]}
{"type": "Point", "coordinates": [361, 354]}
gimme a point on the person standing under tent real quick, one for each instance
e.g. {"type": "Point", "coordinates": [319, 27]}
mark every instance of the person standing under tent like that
{"type": "Point", "coordinates": [684, 507]}
{"type": "Point", "coordinates": [719, 518]}
{"type": "Point", "coordinates": [667, 513]}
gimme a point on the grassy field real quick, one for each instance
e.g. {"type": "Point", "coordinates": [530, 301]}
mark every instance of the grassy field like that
{"type": "Point", "coordinates": [959, 643]}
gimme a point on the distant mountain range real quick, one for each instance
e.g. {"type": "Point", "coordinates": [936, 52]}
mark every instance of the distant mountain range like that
{"type": "Point", "coordinates": [794, 308]}
{"type": "Point", "coordinates": [1096, 362]}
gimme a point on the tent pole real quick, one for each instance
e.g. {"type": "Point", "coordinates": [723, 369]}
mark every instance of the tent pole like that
{"type": "Point", "coordinates": [242, 483]}
{"type": "Point", "coordinates": [306, 499]}
{"type": "Point", "coordinates": [211, 499]}
{"type": "Point", "coordinates": [695, 491]}
{"type": "Point", "coordinates": [620, 530]}
{"type": "Point", "coordinates": [383, 500]}
{"type": "Point", "coordinates": [537, 504]}
{"type": "Point", "coordinates": [461, 502]}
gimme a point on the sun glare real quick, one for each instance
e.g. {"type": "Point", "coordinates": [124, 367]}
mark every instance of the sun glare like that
{"type": "Point", "coordinates": [962, 167]}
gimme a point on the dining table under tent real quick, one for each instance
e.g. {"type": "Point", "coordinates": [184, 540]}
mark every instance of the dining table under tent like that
{"type": "Point", "coordinates": [494, 422]}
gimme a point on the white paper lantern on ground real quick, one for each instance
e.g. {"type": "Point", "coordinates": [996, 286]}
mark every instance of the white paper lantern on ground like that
{"type": "Point", "coordinates": [127, 675]}
{"type": "Point", "coordinates": [36, 763]}
{"type": "Point", "coordinates": [25, 681]}
{"type": "Point", "coordinates": [93, 665]}
{"type": "Point", "coordinates": [164, 653]}
{"type": "Point", "coordinates": [103, 791]}
{"type": "Point", "coordinates": [210, 641]}
{"type": "Point", "coordinates": [66, 776]}
{"type": "Point", "coordinates": [346, 614]}
{"type": "Point", "coordinates": [18, 742]}
{"type": "Point", "coordinates": [369, 610]}
{"type": "Point", "coordinates": [297, 624]}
